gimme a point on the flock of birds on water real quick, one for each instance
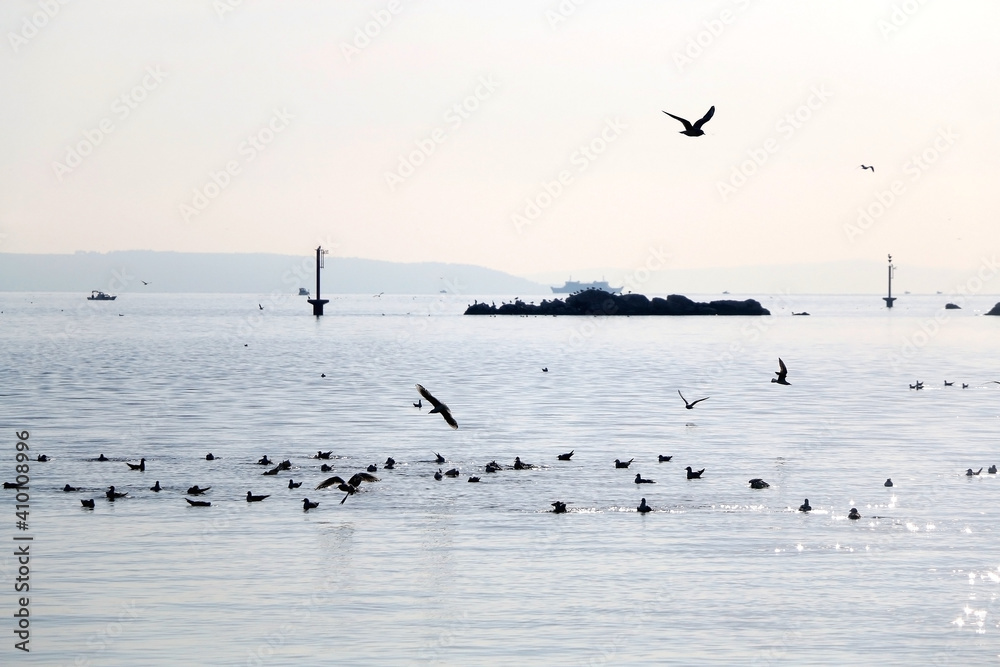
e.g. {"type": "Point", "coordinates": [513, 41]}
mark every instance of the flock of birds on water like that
{"type": "Point", "coordinates": [352, 485]}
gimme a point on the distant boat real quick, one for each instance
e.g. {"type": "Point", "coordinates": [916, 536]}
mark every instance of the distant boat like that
{"type": "Point", "coordinates": [573, 286]}
{"type": "Point", "coordinates": [98, 295]}
{"type": "Point", "coordinates": [303, 291]}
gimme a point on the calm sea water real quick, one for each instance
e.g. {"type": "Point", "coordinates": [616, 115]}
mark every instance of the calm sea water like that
{"type": "Point", "coordinates": [413, 570]}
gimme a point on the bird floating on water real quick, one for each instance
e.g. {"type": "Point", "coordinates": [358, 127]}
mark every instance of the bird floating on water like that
{"type": "Point", "coordinates": [141, 465]}
{"type": "Point", "coordinates": [805, 507]}
{"type": "Point", "coordinates": [949, 384]}
{"type": "Point", "coordinates": [643, 507]}
{"type": "Point", "coordinates": [694, 474]}
{"type": "Point", "coordinates": [781, 373]}
{"type": "Point", "coordinates": [306, 505]}
{"type": "Point", "coordinates": [198, 503]}
{"type": "Point", "coordinates": [992, 470]}
{"type": "Point", "coordinates": [372, 468]}
{"type": "Point", "coordinates": [210, 457]}
{"type": "Point", "coordinates": [452, 473]}
{"type": "Point", "coordinates": [888, 482]}
{"type": "Point", "coordinates": [558, 507]}
{"type": "Point", "coordinates": [854, 514]}
{"type": "Point", "coordinates": [294, 485]}
{"type": "Point", "coordinates": [251, 498]}
{"type": "Point", "coordinates": [113, 495]}
{"type": "Point", "coordinates": [89, 504]}
{"type": "Point", "coordinates": [691, 405]}
{"type": "Point", "coordinates": [693, 130]}
{"type": "Point", "coordinates": [155, 487]}
{"type": "Point", "coordinates": [969, 473]}
{"type": "Point", "coordinates": [419, 404]}
{"type": "Point", "coordinates": [323, 455]}
{"type": "Point", "coordinates": [42, 458]}
{"type": "Point", "coordinates": [640, 480]}
{"type": "Point", "coordinates": [664, 459]}
{"type": "Point", "coordinates": [758, 483]}
{"type": "Point", "coordinates": [439, 407]}
{"type": "Point", "coordinates": [264, 461]}
{"type": "Point", "coordinates": [197, 491]}
{"type": "Point", "coordinates": [473, 479]}
{"type": "Point", "coordinates": [438, 476]}
{"type": "Point", "coordinates": [623, 464]}
{"type": "Point", "coordinates": [520, 465]}
{"type": "Point", "coordinates": [102, 457]}
{"type": "Point", "coordinates": [567, 456]}
{"type": "Point", "coordinates": [545, 369]}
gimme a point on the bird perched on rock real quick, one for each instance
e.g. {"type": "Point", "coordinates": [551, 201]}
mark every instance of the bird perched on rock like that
{"type": "Point", "coordinates": [758, 483]}
{"type": "Point", "coordinates": [693, 129]}
{"type": "Point", "coordinates": [439, 407]}
{"type": "Point", "coordinates": [694, 474]}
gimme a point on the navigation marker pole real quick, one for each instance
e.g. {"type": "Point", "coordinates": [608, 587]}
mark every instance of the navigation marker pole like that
{"type": "Point", "coordinates": [889, 299]}
{"type": "Point", "coordinates": [318, 303]}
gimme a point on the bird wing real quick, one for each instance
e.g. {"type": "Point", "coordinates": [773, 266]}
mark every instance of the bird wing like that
{"type": "Point", "coordinates": [704, 119]}
{"type": "Point", "coordinates": [330, 482]}
{"type": "Point", "coordinates": [781, 365]}
{"type": "Point", "coordinates": [362, 477]}
{"type": "Point", "coordinates": [700, 400]}
{"type": "Point", "coordinates": [682, 397]}
{"type": "Point", "coordinates": [687, 125]}
{"type": "Point", "coordinates": [426, 394]}
{"type": "Point", "coordinates": [446, 413]}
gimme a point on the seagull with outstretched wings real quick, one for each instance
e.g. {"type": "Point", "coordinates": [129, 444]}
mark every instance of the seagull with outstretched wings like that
{"type": "Point", "coordinates": [691, 405]}
{"type": "Point", "coordinates": [439, 407]}
{"type": "Point", "coordinates": [693, 130]}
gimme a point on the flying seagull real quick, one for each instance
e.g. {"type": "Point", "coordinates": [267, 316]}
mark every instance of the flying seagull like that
{"type": "Point", "coordinates": [781, 373]}
{"type": "Point", "coordinates": [864, 166]}
{"type": "Point", "coordinates": [439, 407]}
{"type": "Point", "coordinates": [691, 405]}
{"type": "Point", "coordinates": [693, 130]}
{"type": "Point", "coordinates": [350, 487]}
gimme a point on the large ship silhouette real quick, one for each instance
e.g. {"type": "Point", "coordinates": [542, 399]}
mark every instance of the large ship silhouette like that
{"type": "Point", "coordinates": [573, 286]}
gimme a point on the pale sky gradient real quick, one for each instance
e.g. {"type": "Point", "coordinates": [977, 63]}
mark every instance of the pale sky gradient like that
{"type": "Point", "coordinates": [323, 176]}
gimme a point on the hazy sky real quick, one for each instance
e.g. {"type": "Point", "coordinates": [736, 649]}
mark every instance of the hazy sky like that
{"type": "Point", "coordinates": [423, 139]}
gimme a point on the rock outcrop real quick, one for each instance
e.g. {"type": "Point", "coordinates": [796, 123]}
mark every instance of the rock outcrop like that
{"type": "Point", "coordinates": [598, 302]}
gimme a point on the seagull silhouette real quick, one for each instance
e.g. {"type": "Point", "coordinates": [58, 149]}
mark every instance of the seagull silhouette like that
{"type": "Point", "coordinates": [439, 407]}
{"type": "Point", "coordinates": [251, 498]}
{"type": "Point", "coordinates": [198, 503]}
{"type": "Point", "coordinates": [691, 405]}
{"type": "Point", "coordinates": [693, 130]}
{"type": "Point", "coordinates": [758, 483]}
{"type": "Point", "coordinates": [781, 373]}
{"type": "Point", "coordinates": [143, 282]}
{"type": "Point", "coordinates": [639, 479]}
{"type": "Point", "coordinates": [260, 306]}
{"type": "Point", "coordinates": [567, 456]}
{"type": "Point", "coordinates": [350, 487]}
{"type": "Point", "coordinates": [307, 505]}
{"type": "Point", "coordinates": [694, 474]}
{"type": "Point", "coordinates": [864, 166]}
{"type": "Point", "coordinates": [559, 507]}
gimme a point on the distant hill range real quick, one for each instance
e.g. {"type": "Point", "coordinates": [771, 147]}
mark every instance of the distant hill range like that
{"type": "Point", "coordinates": [124, 271]}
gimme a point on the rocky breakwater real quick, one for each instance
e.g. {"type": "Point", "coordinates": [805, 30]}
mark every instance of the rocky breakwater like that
{"type": "Point", "coordinates": [598, 302]}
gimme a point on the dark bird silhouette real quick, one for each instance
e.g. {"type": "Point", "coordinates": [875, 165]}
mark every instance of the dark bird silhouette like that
{"type": "Point", "coordinates": [42, 458]}
{"type": "Point", "coordinates": [69, 488]}
{"type": "Point", "coordinates": [419, 404]}
{"type": "Point", "coordinates": [567, 456]}
{"type": "Point", "coordinates": [349, 487]}
{"type": "Point", "coordinates": [372, 468]}
{"type": "Point", "coordinates": [643, 507]}
{"type": "Point", "coordinates": [439, 407]}
{"type": "Point", "coordinates": [664, 459]}
{"type": "Point", "coordinates": [273, 471]}
{"type": "Point", "coordinates": [260, 306]}
{"type": "Point", "coordinates": [623, 464]}
{"type": "Point", "coordinates": [306, 505]}
{"type": "Point", "coordinates": [389, 464]}
{"type": "Point", "coordinates": [640, 480]}
{"type": "Point", "coordinates": [322, 375]}
{"type": "Point", "coordinates": [694, 474]}
{"type": "Point", "coordinates": [558, 507]}
{"type": "Point", "coordinates": [113, 495]}
{"type": "Point", "coordinates": [89, 504]}
{"type": "Point", "coordinates": [805, 507]}
{"type": "Point", "coordinates": [141, 465]}
{"type": "Point", "coordinates": [155, 487]}
{"type": "Point", "coordinates": [323, 455]}
{"type": "Point", "coordinates": [294, 485]}
{"type": "Point", "coordinates": [143, 282]}
{"type": "Point", "coordinates": [493, 466]}
{"type": "Point", "coordinates": [438, 476]}
{"type": "Point", "coordinates": [438, 458]}
{"type": "Point", "coordinates": [520, 465]}
{"type": "Point", "coordinates": [264, 461]}
{"type": "Point", "coordinates": [781, 373]}
{"type": "Point", "coordinates": [325, 467]}
{"type": "Point", "coordinates": [695, 129]}
{"type": "Point", "coordinates": [197, 491]}
{"type": "Point", "coordinates": [11, 485]}
{"type": "Point", "coordinates": [992, 470]}
{"type": "Point", "coordinates": [918, 386]}
{"type": "Point", "coordinates": [853, 514]}
{"type": "Point", "coordinates": [198, 503]}
{"type": "Point", "coordinates": [251, 498]}
{"type": "Point", "coordinates": [965, 386]}
{"type": "Point", "coordinates": [888, 482]}
{"type": "Point", "coordinates": [758, 483]}
{"type": "Point", "coordinates": [452, 473]}
{"type": "Point", "coordinates": [102, 457]}
{"type": "Point", "coordinates": [868, 167]}
{"type": "Point", "coordinates": [969, 473]}
{"type": "Point", "coordinates": [210, 457]}
{"type": "Point", "coordinates": [949, 384]}
{"type": "Point", "coordinates": [691, 405]}
{"type": "Point", "coordinates": [473, 479]}
{"type": "Point", "coordinates": [545, 370]}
